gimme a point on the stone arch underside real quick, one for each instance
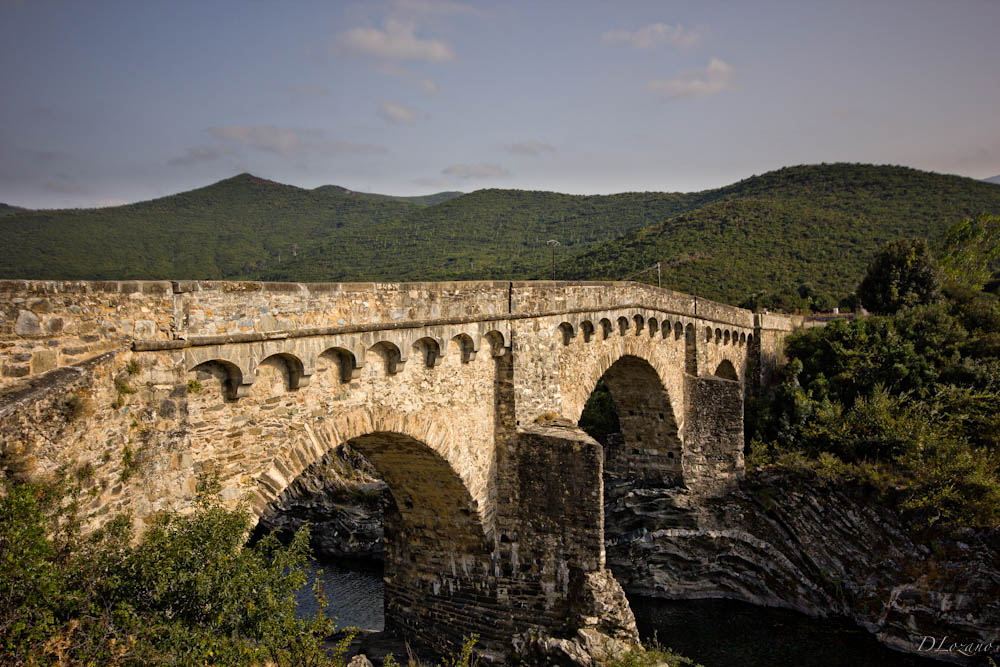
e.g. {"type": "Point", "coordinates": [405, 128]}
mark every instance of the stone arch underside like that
{"type": "Point", "coordinates": [437, 545]}
{"type": "Point", "coordinates": [438, 489]}
{"type": "Point", "coordinates": [650, 449]}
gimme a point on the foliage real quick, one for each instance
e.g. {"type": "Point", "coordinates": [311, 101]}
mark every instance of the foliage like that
{"type": "Point", "coordinates": [465, 656]}
{"type": "Point", "coordinates": [817, 224]}
{"type": "Point", "coordinates": [185, 593]}
{"type": "Point", "coordinates": [909, 403]}
{"type": "Point", "coordinates": [812, 224]}
{"type": "Point", "coordinates": [599, 418]}
{"type": "Point", "coordinates": [651, 654]}
{"type": "Point", "coordinates": [903, 274]}
{"type": "Point", "coordinates": [970, 251]}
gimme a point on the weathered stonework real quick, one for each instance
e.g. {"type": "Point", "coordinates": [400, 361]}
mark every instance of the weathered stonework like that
{"type": "Point", "coordinates": [453, 391]}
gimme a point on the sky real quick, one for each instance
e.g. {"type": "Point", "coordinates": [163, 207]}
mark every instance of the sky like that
{"type": "Point", "coordinates": [106, 102]}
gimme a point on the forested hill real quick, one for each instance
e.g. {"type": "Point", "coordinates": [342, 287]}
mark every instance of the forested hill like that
{"type": "Point", "coordinates": [7, 209]}
{"type": "Point", "coordinates": [236, 228]}
{"type": "Point", "coordinates": [816, 224]}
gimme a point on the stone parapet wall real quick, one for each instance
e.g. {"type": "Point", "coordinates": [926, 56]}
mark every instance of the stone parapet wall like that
{"type": "Point", "coordinates": [48, 324]}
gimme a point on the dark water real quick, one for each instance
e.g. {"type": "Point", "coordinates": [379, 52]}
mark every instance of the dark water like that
{"type": "Point", "coordinates": [353, 595]}
{"type": "Point", "coordinates": [715, 633]}
{"type": "Point", "coordinates": [722, 633]}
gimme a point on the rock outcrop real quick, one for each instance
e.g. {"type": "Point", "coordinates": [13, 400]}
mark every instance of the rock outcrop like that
{"type": "Point", "coordinates": [341, 497]}
{"type": "Point", "coordinates": [787, 539]}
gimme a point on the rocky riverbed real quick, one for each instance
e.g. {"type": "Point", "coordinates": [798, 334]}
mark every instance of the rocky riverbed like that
{"type": "Point", "coordinates": [788, 539]}
{"type": "Point", "coordinates": [341, 496]}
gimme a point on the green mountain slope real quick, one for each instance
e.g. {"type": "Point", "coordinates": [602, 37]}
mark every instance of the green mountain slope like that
{"type": "Point", "coordinates": [816, 224]}
{"type": "Point", "coordinates": [7, 209]}
{"type": "Point", "coordinates": [235, 228]}
{"type": "Point", "coordinates": [486, 234]}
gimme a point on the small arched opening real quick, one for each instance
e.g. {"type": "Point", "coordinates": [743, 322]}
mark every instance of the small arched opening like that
{"type": "Point", "coordinates": [388, 356]}
{"type": "Point", "coordinates": [726, 370]}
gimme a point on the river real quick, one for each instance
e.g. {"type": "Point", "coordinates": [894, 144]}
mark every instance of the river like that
{"type": "Point", "coordinates": [714, 633]}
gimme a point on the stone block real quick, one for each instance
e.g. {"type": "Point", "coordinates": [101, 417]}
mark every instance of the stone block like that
{"type": "Point", "coordinates": [43, 360]}
{"type": "Point", "coordinates": [27, 324]}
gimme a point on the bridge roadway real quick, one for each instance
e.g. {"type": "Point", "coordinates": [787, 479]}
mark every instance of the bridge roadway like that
{"type": "Point", "coordinates": [464, 396]}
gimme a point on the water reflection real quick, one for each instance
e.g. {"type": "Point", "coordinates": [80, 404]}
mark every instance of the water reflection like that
{"type": "Point", "coordinates": [354, 596]}
{"type": "Point", "coordinates": [722, 633]}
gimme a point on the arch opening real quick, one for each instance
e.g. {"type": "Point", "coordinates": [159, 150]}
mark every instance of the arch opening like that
{"type": "Point", "coordinates": [429, 350]}
{"type": "Point", "coordinates": [286, 368]}
{"type": "Point", "coordinates": [224, 375]}
{"type": "Point", "coordinates": [566, 333]}
{"type": "Point", "coordinates": [630, 414]}
{"type": "Point", "coordinates": [388, 355]}
{"type": "Point", "coordinates": [392, 504]}
{"type": "Point", "coordinates": [606, 328]}
{"type": "Point", "coordinates": [344, 361]}
{"type": "Point", "coordinates": [727, 371]}
{"type": "Point", "coordinates": [466, 347]}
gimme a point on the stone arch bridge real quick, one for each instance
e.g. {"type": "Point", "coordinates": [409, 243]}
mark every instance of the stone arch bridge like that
{"type": "Point", "coordinates": [464, 396]}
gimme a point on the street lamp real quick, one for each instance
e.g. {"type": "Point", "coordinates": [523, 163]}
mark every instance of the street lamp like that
{"type": "Point", "coordinates": [552, 243]}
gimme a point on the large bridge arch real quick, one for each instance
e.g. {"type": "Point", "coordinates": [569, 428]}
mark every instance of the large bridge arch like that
{"type": "Point", "coordinates": [417, 453]}
{"type": "Point", "coordinates": [583, 363]}
{"type": "Point", "coordinates": [437, 543]}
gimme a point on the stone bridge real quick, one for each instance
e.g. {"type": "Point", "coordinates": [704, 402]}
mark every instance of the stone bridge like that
{"type": "Point", "coordinates": [464, 396]}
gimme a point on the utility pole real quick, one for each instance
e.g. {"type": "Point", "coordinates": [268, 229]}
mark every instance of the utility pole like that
{"type": "Point", "coordinates": [552, 243]}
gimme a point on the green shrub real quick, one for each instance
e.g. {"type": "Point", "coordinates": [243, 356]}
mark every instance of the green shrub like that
{"type": "Point", "coordinates": [188, 592]}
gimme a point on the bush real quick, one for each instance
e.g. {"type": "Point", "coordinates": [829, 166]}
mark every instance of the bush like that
{"type": "Point", "coordinates": [909, 402]}
{"type": "Point", "coordinates": [188, 592]}
{"type": "Point", "coordinates": [902, 274]}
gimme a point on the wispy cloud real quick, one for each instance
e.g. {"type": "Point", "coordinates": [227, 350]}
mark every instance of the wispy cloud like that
{"type": "Point", "coordinates": [531, 148]}
{"type": "Point", "coordinates": [653, 35]}
{"type": "Point", "coordinates": [396, 41]}
{"type": "Point", "coordinates": [476, 171]}
{"type": "Point", "coordinates": [309, 90]}
{"type": "Point", "coordinates": [197, 155]}
{"type": "Point", "coordinates": [697, 83]}
{"type": "Point", "coordinates": [287, 141]}
{"type": "Point", "coordinates": [400, 114]}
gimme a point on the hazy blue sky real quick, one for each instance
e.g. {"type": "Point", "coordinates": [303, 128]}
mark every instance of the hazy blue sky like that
{"type": "Point", "coordinates": [104, 101]}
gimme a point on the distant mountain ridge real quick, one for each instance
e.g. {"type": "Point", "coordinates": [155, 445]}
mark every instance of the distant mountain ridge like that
{"type": "Point", "coordinates": [815, 224]}
{"type": "Point", "coordinates": [993, 179]}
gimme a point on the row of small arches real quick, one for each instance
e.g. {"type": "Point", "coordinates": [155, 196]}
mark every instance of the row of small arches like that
{"type": "Point", "coordinates": [653, 328]}
{"type": "Point", "coordinates": [429, 350]}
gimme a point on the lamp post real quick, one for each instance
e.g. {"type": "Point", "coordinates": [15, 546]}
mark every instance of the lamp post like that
{"type": "Point", "coordinates": [552, 243]}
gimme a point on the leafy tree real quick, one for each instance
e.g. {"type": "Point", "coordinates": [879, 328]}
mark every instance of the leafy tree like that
{"type": "Point", "coordinates": [903, 274]}
{"type": "Point", "coordinates": [971, 251]}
